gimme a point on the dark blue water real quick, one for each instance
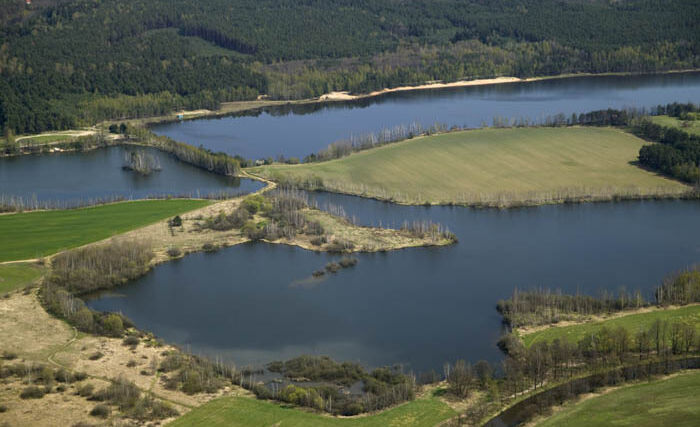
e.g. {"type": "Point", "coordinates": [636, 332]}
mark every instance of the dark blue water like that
{"type": "Point", "coordinates": [421, 307]}
{"type": "Point", "coordinates": [71, 178]}
{"type": "Point", "coordinates": [304, 129]}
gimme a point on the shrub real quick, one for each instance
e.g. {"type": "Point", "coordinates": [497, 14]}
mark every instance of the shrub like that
{"type": "Point", "coordinates": [209, 247]}
{"type": "Point", "coordinates": [131, 363]}
{"type": "Point", "coordinates": [332, 267]}
{"type": "Point", "coordinates": [63, 376]}
{"type": "Point", "coordinates": [32, 392]}
{"type": "Point", "coordinates": [3, 408]}
{"type": "Point", "coordinates": [347, 262]}
{"type": "Point", "coordinates": [174, 252]}
{"type": "Point", "coordinates": [131, 340]}
{"type": "Point", "coordinates": [101, 411]}
{"type": "Point", "coordinates": [113, 325]}
{"type": "Point", "coordinates": [96, 356]}
{"type": "Point", "coordinates": [175, 222]}
{"type": "Point", "coordinates": [79, 376]}
{"type": "Point", "coordinates": [318, 241]}
{"type": "Point", "coordinates": [9, 355]}
{"type": "Point", "coordinates": [86, 390]}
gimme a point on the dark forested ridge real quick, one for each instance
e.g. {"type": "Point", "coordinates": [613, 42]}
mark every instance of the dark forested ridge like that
{"type": "Point", "coordinates": [70, 62]}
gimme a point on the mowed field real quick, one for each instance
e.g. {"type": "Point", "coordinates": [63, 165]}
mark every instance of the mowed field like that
{"type": "Point", "coordinates": [668, 402]}
{"type": "Point", "coordinates": [16, 276]}
{"type": "Point", "coordinates": [246, 411]}
{"type": "Point", "coordinates": [690, 126]}
{"type": "Point", "coordinates": [492, 167]}
{"type": "Point", "coordinates": [36, 234]}
{"type": "Point", "coordinates": [632, 322]}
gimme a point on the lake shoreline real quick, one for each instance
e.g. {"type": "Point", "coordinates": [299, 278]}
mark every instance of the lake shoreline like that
{"type": "Point", "coordinates": [236, 107]}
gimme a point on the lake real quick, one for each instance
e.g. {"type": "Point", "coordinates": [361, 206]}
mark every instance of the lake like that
{"type": "Point", "coordinates": [421, 307]}
{"type": "Point", "coordinates": [304, 129]}
{"type": "Point", "coordinates": [75, 178]}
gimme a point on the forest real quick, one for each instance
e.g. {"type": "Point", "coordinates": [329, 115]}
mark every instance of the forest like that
{"type": "Point", "coordinates": [65, 63]}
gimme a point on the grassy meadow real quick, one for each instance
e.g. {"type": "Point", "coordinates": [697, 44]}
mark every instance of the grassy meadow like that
{"type": "Point", "coordinates": [491, 167]}
{"type": "Point", "coordinates": [690, 126]}
{"type": "Point", "coordinates": [17, 276]}
{"type": "Point", "coordinates": [668, 402]}
{"type": "Point", "coordinates": [631, 322]}
{"type": "Point", "coordinates": [35, 234]}
{"type": "Point", "coordinates": [246, 411]}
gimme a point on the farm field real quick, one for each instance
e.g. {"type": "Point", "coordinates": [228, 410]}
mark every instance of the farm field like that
{"type": "Point", "coordinates": [15, 276]}
{"type": "Point", "coordinates": [632, 322]}
{"type": "Point", "coordinates": [35, 234]}
{"type": "Point", "coordinates": [669, 402]}
{"type": "Point", "coordinates": [491, 167]}
{"type": "Point", "coordinates": [245, 411]}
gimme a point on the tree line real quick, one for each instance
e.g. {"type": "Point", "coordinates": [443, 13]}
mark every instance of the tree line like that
{"type": "Point", "coordinates": [546, 306]}
{"type": "Point", "coordinates": [65, 64]}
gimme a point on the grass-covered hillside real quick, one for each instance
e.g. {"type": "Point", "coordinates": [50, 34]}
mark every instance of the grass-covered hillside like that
{"type": "Point", "coordinates": [492, 167]}
{"type": "Point", "coordinates": [36, 234]}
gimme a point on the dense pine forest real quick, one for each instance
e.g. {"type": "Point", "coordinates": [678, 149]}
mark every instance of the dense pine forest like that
{"type": "Point", "coordinates": [65, 63]}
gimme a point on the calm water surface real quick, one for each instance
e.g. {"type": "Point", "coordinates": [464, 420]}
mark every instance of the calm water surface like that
{"type": "Point", "coordinates": [301, 130]}
{"type": "Point", "coordinates": [255, 303]}
{"type": "Point", "coordinates": [69, 178]}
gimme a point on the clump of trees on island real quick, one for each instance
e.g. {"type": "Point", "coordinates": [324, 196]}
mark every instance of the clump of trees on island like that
{"type": "Point", "coordinates": [141, 162]}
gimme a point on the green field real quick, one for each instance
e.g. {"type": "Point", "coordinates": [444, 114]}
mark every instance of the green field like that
{"type": "Point", "coordinates": [670, 402]}
{"type": "Point", "coordinates": [245, 411]}
{"type": "Point", "coordinates": [36, 234]}
{"type": "Point", "coordinates": [691, 126]}
{"type": "Point", "coordinates": [16, 276]}
{"type": "Point", "coordinates": [632, 322]}
{"type": "Point", "coordinates": [491, 166]}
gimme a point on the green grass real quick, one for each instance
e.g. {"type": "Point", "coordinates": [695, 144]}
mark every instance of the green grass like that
{"type": "Point", "coordinates": [40, 139]}
{"type": "Point", "coordinates": [670, 402]}
{"type": "Point", "coordinates": [36, 234]}
{"type": "Point", "coordinates": [491, 165]}
{"type": "Point", "coordinates": [691, 126]}
{"type": "Point", "coordinates": [632, 322]}
{"type": "Point", "coordinates": [245, 411]}
{"type": "Point", "coordinates": [16, 276]}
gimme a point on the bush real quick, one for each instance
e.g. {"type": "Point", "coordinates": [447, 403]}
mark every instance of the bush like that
{"type": "Point", "coordinates": [86, 390]}
{"type": "Point", "coordinates": [79, 376]}
{"type": "Point", "coordinates": [209, 247]}
{"type": "Point", "coordinates": [101, 411]}
{"type": "Point", "coordinates": [9, 355]}
{"type": "Point", "coordinates": [96, 356]}
{"type": "Point", "coordinates": [3, 408]}
{"type": "Point", "coordinates": [175, 222]}
{"type": "Point", "coordinates": [332, 267]}
{"type": "Point", "coordinates": [347, 262]}
{"type": "Point", "coordinates": [318, 241]}
{"type": "Point", "coordinates": [131, 340]}
{"type": "Point", "coordinates": [113, 325]}
{"type": "Point", "coordinates": [32, 392]}
{"type": "Point", "coordinates": [131, 363]}
{"type": "Point", "coordinates": [63, 376]}
{"type": "Point", "coordinates": [174, 252]}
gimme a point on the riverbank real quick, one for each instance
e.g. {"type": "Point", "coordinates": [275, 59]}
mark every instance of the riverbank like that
{"type": "Point", "coordinates": [493, 167]}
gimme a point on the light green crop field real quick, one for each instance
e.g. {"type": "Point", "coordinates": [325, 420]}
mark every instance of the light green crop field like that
{"type": "Point", "coordinates": [16, 276]}
{"type": "Point", "coordinates": [670, 402]}
{"type": "Point", "coordinates": [492, 167]}
{"type": "Point", "coordinates": [691, 126]}
{"type": "Point", "coordinates": [632, 322]}
{"type": "Point", "coordinates": [246, 411]}
{"type": "Point", "coordinates": [36, 234]}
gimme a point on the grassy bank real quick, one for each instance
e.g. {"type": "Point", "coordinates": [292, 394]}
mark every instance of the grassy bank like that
{"type": "Point", "coordinates": [36, 234]}
{"type": "Point", "coordinates": [245, 411]}
{"type": "Point", "coordinates": [17, 276]}
{"type": "Point", "coordinates": [690, 126]}
{"type": "Point", "coordinates": [493, 167]}
{"type": "Point", "coordinates": [631, 322]}
{"type": "Point", "coordinates": [670, 402]}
